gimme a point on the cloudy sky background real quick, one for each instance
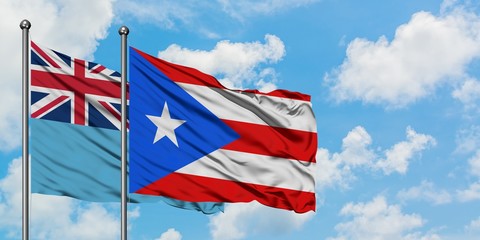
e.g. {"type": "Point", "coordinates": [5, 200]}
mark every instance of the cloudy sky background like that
{"type": "Point", "coordinates": [395, 89]}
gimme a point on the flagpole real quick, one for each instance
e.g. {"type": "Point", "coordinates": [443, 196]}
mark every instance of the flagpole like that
{"type": "Point", "coordinates": [123, 31]}
{"type": "Point", "coordinates": [25, 26]}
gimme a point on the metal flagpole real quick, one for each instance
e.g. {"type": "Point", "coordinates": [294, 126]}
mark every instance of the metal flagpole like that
{"type": "Point", "coordinates": [25, 26]}
{"type": "Point", "coordinates": [123, 31]}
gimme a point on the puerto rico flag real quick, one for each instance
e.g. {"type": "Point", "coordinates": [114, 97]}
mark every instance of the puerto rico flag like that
{"type": "Point", "coordinates": [75, 138]}
{"type": "Point", "coordinates": [192, 139]}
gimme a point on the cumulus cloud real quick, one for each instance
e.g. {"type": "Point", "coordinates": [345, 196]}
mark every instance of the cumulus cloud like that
{"type": "Point", "coordinates": [68, 26]}
{"type": "Point", "coordinates": [73, 27]}
{"type": "Point", "coordinates": [331, 171]}
{"type": "Point", "coordinates": [337, 169]}
{"type": "Point", "coordinates": [413, 64]}
{"type": "Point", "coordinates": [398, 157]}
{"type": "Point", "coordinates": [243, 219]}
{"type": "Point", "coordinates": [242, 9]}
{"type": "Point", "coordinates": [469, 94]}
{"type": "Point", "coordinates": [170, 234]}
{"type": "Point", "coordinates": [235, 64]}
{"type": "Point", "coordinates": [474, 163]}
{"type": "Point", "coordinates": [468, 140]}
{"type": "Point", "coordinates": [355, 148]}
{"type": "Point", "coordinates": [53, 217]}
{"type": "Point", "coordinates": [473, 226]}
{"type": "Point", "coordinates": [169, 14]}
{"type": "Point", "coordinates": [472, 193]}
{"type": "Point", "coordinates": [165, 13]}
{"type": "Point", "coordinates": [379, 220]}
{"type": "Point", "coordinates": [425, 191]}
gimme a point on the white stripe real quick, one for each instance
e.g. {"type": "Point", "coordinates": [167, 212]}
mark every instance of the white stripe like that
{"type": "Point", "coordinates": [254, 108]}
{"type": "Point", "coordinates": [256, 169]}
{"type": "Point", "coordinates": [65, 70]}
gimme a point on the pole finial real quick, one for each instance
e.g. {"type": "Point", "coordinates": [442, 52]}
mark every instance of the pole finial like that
{"type": "Point", "coordinates": [123, 30]}
{"type": "Point", "coordinates": [25, 24]}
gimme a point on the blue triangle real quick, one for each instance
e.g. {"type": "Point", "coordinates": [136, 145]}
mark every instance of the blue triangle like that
{"type": "Point", "coordinates": [201, 134]}
{"type": "Point", "coordinates": [36, 60]}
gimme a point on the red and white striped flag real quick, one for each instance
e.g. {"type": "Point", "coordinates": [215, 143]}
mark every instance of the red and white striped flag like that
{"type": "Point", "coordinates": [194, 140]}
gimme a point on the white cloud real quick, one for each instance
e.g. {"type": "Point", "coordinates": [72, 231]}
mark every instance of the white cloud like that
{"type": "Point", "coordinates": [198, 16]}
{"type": "Point", "coordinates": [331, 171]}
{"type": "Point", "coordinates": [243, 9]}
{"type": "Point", "coordinates": [243, 219]}
{"type": "Point", "coordinates": [468, 140]}
{"type": "Point", "coordinates": [134, 213]}
{"type": "Point", "coordinates": [471, 231]}
{"type": "Point", "coordinates": [377, 220]}
{"type": "Point", "coordinates": [164, 13]}
{"type": "Point", "coordinates": [470, 194]}
{"type": "Point", "coordinates": [420, 236]}
{"type": "Point", "coordinates": [11, 196]}
{"type": "Point", "coordinates": [73, 27]}
{"type": "Point", "coordinates": [425, 191]}
{"type": "Point", "coordinates": [473, 226]}
{"type": "Point", "coordinates": [337, 169]}
{"type": "Point", "coordinates": [398, 157]}
{"type": "Point", "coordinates": [53, 217]}
{"type": "Point", "coordinates": [413, 65]}
{"type": "Point", "coordinates": [170, 234]}
{"type": "Point", "coordinates": [235, 64]}
{"type": "Point", "coordinates": [168, 14]}
{"type": "Point", "coordinates": [448, 5]}
{"type": "Point", "coordinates": [90, 222]}
{"type": "Point", "coordinates": [474, 163]}
{"type": "Point", "coordinates": [355, 150]}
{"type": "Point", "coordinates": [468, 94]}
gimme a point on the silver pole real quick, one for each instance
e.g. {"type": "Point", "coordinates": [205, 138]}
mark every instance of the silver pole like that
{"type": "Point", "coordinates": [25, 26]}
{"type": "Point", "coordinates": [123, 31]}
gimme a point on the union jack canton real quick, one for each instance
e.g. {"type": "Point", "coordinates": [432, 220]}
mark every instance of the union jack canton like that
{"type": "Point", "coordinates": [71, 90]}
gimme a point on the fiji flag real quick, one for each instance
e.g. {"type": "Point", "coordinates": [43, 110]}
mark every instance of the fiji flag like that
{"type": "Point", "coordinates": [75, 138]}
{"type": "Point", "coordinates": [194, 140]}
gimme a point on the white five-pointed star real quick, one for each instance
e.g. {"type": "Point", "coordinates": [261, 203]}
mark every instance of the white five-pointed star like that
{"type": "Point", "coordinates": [165, 125]}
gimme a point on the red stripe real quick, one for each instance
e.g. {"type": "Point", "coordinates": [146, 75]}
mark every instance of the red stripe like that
{"type": "Point", "coordinates": [79, 101]}
{"type": "Point", "coordinates": [98, 69]}
{"type": "Point", "coordinates": [113, 112]}
{"type": "Point", "coordinates": [72, 83]}
{"type": "Point", "coordinates": [179, 73]}
{"type": "Point", "coordinates": [281, 93]}
{"type": "Point", "coordinates": [48, 106]}
{"type": "Point", "coordinates": [44, 55]}
{"type": "Point", "coordinates": [273, 141]}
{"type": "Point", "coordinates": [202, 189]}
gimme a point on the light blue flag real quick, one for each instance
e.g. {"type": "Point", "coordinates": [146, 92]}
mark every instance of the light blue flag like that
{"type": "Point", "coordinates": [83, 162]}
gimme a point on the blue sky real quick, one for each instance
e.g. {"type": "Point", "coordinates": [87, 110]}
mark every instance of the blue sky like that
{"type": "Point", "coordinates": [395, 89]}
